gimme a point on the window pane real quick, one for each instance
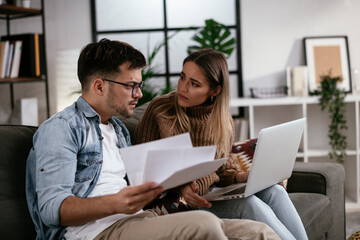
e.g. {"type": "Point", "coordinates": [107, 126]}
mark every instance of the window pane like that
{"type": "Point", "coordinates": [174, 82]}
{"type": "Point", "coordinates": [178, 49]}
{"type": "Point", "coordinates": [193, 13]}
{"type": "Point", "coordinates": [144, 42]}
{"type": "Point", "coordinates": [157, 84]}
{"type": "Point", "coordinates": [129, 14]}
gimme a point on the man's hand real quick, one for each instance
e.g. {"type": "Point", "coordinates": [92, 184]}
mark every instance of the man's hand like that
{"type": "Point", "coordinates": [132, 199]}
{"type": "Point", "coordinates": [79, 211]}
{"type": "Point", "coordinates": [189, 193]}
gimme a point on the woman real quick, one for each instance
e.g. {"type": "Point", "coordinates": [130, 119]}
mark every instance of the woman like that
{"type": "Point", "coordinates": [201, 106]}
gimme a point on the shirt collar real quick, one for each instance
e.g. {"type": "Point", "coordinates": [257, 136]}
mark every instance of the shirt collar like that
{"type": "Point", "coordinates": [85, 107]}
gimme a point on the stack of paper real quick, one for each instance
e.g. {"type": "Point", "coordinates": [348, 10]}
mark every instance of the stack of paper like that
{"type": "Point", "coordinates": [170, 162]}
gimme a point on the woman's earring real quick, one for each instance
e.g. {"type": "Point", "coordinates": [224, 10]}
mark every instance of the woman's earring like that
{"type": "Point", "coordinates": [212, 98]}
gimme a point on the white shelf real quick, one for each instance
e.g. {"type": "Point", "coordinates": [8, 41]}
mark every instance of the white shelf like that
{"type": "Point", "coordinates": [248, 102]}
{"type": "Point", "coordinates": [325, 153]}
{"type": "Point", "coordinates": [351, 205]}
{"type": "Point", "coordinates": [314, 146]}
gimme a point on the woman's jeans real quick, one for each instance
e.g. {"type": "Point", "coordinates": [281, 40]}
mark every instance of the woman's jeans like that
{"type": "Point", "coordinates": [271, 206]}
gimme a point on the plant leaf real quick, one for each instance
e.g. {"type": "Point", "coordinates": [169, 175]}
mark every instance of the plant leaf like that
{"type": "Point", "coordinates": [213, 35]}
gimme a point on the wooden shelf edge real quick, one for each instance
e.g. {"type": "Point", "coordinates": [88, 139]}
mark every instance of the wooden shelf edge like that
{"type": "Point", "coordinates": [10, 10]}
{"type": "Point", "coordinates": [21, 79]}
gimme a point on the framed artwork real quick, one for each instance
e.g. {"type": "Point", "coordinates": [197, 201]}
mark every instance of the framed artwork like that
{"type": "Point", "coordinates": [324, 55]}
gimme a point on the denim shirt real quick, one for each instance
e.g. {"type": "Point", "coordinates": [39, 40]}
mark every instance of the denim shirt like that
{"type": "Point", "coordinates": [65, 161]}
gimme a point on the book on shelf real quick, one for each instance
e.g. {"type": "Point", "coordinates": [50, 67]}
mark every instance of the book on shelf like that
{"type": "Point", "coordinates": [4, 60]}
{"type": "Point", "coordinates": [297, 81]}
{"type": "Point", "coordinates": [31, 55]}
{"type": "Point", "coordinates": [15, 65]}
{"type": "Point", "coordinates": [9, 59]}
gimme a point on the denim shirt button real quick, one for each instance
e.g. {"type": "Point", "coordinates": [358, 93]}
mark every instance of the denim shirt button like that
{"type": "Point", "coordinates": [101, 138]}
{"type": "Point", "coordinates": [101, 161]}
{"type": "Point", "coordinates": [87, 160]}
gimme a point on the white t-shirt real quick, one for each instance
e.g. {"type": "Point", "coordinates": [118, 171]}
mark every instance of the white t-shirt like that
{"type": "Point", "coordinates": [111, 180]}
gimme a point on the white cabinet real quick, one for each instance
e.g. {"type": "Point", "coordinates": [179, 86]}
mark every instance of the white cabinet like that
{"type": "Point", "coordinates": [314, 146]}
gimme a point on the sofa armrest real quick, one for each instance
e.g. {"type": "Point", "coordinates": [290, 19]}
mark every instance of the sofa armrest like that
{"type": "Point", "coordinates": [324, 178]}
{"type": "Point", "coordinates": [307, 179]}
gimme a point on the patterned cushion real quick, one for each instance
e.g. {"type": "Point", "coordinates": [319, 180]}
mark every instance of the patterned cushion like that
{"type": "Point", "coordinates": [245, 154]}
{"type": "Point", "coordinates": [355, 236]}
{"type": "Point", "coordinates": [168, 202]}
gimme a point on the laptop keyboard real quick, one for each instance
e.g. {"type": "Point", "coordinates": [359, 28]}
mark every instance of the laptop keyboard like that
{"type": "Point", "coordinates": [240, 190]}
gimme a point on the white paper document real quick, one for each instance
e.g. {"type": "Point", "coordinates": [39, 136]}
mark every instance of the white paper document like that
{"type": "Point", "coordinates": [169, 162]}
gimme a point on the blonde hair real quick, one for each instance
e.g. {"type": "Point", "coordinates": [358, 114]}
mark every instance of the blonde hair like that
{"type": "Point", "coordinates": [214, 66]}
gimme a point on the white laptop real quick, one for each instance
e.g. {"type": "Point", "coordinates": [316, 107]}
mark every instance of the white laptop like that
{"type": "Point", "coordinates": [273, 161]}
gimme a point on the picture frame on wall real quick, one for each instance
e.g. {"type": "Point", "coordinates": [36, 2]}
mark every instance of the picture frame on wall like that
{"type": "Point", "coordinates": [324, 55]}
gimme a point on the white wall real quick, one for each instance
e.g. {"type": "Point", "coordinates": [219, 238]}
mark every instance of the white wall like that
{"type": "Point", "coordinates": [272, 33]}
{"type": "Point", "coordinates": [68, 30]}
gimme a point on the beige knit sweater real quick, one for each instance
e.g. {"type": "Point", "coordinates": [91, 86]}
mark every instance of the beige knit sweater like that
{"type": "Point", "coordinates": [152, 126]}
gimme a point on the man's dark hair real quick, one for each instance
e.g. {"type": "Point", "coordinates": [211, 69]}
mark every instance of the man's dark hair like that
{"type": "Point", "coordinates": [104, 58]}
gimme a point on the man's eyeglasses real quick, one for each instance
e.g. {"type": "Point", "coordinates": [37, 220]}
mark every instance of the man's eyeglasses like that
{"type": "Point", "coordinates": [134, 87]}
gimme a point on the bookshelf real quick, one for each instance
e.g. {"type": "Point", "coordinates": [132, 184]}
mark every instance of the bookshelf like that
{"type": "Point", "coordinates": [9, 13]}
{"type": "Point", "coordinates": [314, 146]}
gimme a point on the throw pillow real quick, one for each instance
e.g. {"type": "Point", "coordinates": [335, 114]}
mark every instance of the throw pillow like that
{"type": "Point", "coordinates": [168, 202]}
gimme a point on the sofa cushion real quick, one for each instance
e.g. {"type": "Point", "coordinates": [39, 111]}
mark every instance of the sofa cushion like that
{"type": "Point", "coordinates": [245, 153]}
{"type": "Point", "coordinates": [315, 212]}
{"type": "Point", "coordinates": [131, 122]}
{"type": "Point", "coordinates": [15, 144]}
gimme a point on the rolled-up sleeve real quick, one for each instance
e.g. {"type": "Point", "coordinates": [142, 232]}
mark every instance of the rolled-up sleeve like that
{"type": "Point", "coordinates": [55, 149]}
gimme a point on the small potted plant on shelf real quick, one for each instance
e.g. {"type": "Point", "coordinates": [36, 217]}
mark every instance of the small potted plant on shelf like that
{"type": "Point", "coordinates": [333, 99]}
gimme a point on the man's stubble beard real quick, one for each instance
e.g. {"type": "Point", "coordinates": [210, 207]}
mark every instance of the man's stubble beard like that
{"type": "Point", "coordinates": [119, 110]}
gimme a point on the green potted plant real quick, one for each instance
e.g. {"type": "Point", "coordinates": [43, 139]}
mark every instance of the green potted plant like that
{"type": "Point", "coordinates": [333, 99]}
{"type": "Point", "coordinates": [215, 36]}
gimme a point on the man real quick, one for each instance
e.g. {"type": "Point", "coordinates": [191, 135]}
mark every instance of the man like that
{"type": "Point", "coordinates": [75, 183]}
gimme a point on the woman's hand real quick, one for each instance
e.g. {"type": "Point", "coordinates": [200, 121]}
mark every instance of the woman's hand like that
{"type": "Point", "coordinates": [189, 193]}
{"type": "Point", "coordinates": [242, 177]}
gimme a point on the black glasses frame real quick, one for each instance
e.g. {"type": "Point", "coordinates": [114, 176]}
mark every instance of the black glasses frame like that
{"type": "Point", "coordinates": [134, 87]}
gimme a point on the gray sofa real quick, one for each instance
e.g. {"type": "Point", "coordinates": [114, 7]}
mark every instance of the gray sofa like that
{"type": "Point", "coordinates": [316, 189]}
